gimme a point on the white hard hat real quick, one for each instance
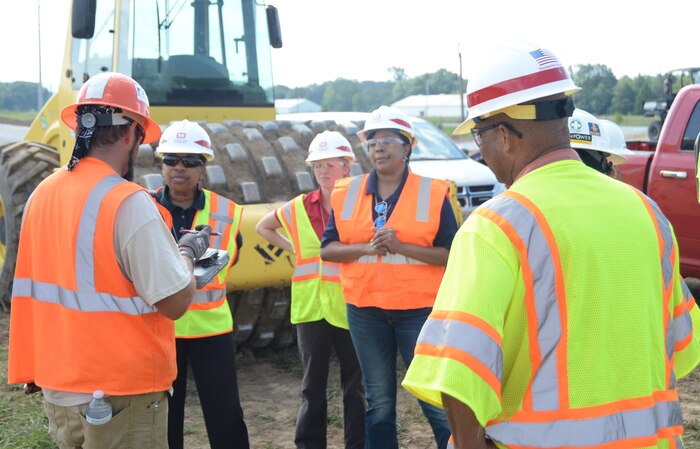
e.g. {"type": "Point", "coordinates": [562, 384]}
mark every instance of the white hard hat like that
{"type": "Point", "coordinates": [590, 133]}
{"type": "Point", "coordinates": [328, 145]}
{"type": "Point", "coordinates": [386, 117]}
{"type": "Point", "coordinates": [185, 137]}
{"type": "Point", "coordinates": [618, 144]}
{"type": "Point", "coordinates": [586, 133]}
{"type": "Point", "coordinates": [513, 74]}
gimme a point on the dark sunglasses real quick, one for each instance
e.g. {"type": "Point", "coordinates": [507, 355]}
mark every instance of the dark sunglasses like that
{"type": "Point", "coordinates": [187, 161]}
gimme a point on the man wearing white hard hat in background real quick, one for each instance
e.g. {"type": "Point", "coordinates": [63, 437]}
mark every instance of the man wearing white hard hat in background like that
{"type": "Point", "coordinates": [541, 336]}
{"type": "Point", "coordinates": [318, 304]}
{"type": "Point", "coordinates": [599, 143]}
{"type": "Point", "coordinates": [204, 334]}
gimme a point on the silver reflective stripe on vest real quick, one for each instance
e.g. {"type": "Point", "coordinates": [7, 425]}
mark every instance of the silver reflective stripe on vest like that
{"type": "Point", "coordinates": [351, 197]}
{"type": "Point", "coordinates": [667, 237]}
{"type": "Point", "coordinates": [400, 259]}
{"type": "Point", "coordinates": [465, 338]}
{"type": "Point", "coordinates": [207, 296]}
{"type": "Point", "coordinates": [306, 269]}
{"type": "Point", "coordinates": [680, 327]}
{"type": "Point", "coordinates": [221, 215]}
{"type": "Point", "coordinates": [84, 248]}
{"type": "Point", "coordinates": [331, 270]}
{"type": "Point", "coordinates": [687, 294]}
{"type": "Point", "coordinates": [545, 386]}
{"type": "Point", "coordinates": [287, 211]}
{"type": "Point", "coordinates": [390, 259]}
{"type": "Point", "coordinates": [678, 441]}
{"type": "Point", "coordinates": [423, 209]}
{"type": "Point", "coordinates": [82, 301]}
{"type": "Point", "coordinates": [585, 432]}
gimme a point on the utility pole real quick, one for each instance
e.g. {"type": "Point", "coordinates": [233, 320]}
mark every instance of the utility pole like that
{"type": "Point", "coordinates": [461, 84]}
{"type": "Point", "coordinates": [39, 93]}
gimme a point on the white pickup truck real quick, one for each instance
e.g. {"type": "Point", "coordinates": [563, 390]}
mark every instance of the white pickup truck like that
{"type": "Point", "coordinates": [435, 156]}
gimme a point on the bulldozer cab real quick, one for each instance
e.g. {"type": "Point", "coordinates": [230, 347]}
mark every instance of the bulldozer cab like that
{"type": "Point", "coordinates": [196, 59]}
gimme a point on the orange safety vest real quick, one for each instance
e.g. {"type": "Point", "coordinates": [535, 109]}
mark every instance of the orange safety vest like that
{"type": "Point", "coordinates": [77, 323]}
{"type": "Point", "coordinates": [394, 281]}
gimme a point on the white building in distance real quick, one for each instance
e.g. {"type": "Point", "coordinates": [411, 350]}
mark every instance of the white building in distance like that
{"type": "Point", "coordinates": [293, 105]}
{"type": "Point", "coordinates": [442, 105]}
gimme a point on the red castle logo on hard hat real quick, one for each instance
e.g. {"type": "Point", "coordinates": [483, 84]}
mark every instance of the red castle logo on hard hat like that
{"type": "Point", "coordinates": [323, 144]}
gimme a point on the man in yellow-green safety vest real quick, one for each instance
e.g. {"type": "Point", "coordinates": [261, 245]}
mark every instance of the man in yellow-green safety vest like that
{"type": "Point", "coordinates": [204, 334]}
{"type": "Point", "coordinates": [318, 306]}
{"type": "Point", "coordinates": [562, 320]}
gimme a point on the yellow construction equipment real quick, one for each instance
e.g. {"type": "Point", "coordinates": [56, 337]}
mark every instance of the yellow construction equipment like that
{"type": "Point", "coordinates": [206, 61]}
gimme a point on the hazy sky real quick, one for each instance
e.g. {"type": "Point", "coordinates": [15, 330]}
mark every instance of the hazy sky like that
{"type": "Point", "coordinates": [361, 39]}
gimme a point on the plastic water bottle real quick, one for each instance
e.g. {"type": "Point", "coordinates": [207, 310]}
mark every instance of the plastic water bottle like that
{"type": "Point", "coordinates": [100, 410]}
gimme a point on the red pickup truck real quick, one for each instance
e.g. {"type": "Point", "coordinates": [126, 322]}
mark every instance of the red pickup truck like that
{"type": "Point", "coordinates": [666, 171]}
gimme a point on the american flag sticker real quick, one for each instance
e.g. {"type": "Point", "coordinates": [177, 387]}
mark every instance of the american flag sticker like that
{"type": "Point", "coordinates": [544, 58]}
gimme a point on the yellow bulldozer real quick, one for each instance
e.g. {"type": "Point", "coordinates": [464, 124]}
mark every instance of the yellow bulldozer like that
{"type": "Point", "coordinates": [208, 61]}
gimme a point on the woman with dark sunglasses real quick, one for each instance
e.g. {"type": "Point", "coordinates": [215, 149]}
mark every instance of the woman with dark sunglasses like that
{"type": "Point", "coordinates": [391, 231]}
{"type": "Point", "coordinates": [204, 334]}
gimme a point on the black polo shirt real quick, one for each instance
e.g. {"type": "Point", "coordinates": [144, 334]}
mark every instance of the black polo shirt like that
{"type": "Point", "coordinates": [183, 218]}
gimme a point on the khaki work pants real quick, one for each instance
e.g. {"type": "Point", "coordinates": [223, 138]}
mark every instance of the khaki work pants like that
{"type": "Point", "coordinates": [138, 421]}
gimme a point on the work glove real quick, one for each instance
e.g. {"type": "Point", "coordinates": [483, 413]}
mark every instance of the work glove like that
{"type": "Point", "coordinates": [195, 245]}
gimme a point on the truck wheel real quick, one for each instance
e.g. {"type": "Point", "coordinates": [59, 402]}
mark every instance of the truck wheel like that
{"type": "Point", "coordinates": [654, 130]}
{"type": "Point", "coordinates": [23, 165]}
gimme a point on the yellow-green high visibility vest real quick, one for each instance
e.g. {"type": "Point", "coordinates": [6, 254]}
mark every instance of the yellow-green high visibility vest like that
{"type": "Point", "coordinates": [209, 314]}
{"type": "Point", "coordinates": [316, 290]}
{"type": "Point", "coordinates": [562, 320]}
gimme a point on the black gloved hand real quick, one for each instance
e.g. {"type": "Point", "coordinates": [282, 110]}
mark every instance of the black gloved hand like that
{"type": "Point", "coordinates": [195, 245]}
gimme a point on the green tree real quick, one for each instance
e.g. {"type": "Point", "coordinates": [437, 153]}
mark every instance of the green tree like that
{"type": "Point", "coordinates": [645, 87]}
{"type": "Point", "coordinates": [624, 95]}
{"type": "Point", "coordinates": [20, 96]}
{"type": "Point", "coordinates": [597, 82]}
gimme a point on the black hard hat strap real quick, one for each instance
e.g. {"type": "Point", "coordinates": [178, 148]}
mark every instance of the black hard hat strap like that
{"type": "Point", "coordinates": [554, 109]}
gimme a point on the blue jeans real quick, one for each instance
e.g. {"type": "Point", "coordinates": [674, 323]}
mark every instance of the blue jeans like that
{"type": "Point", "coordinates": [376, 334]}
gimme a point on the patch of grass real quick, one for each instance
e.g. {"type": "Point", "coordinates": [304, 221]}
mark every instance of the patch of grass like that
{"type": "Point", "coordinates": [286, 360]}
{"type": "Point", "coordinates": [23, 423]}
{"type": "Point", "coordinates": [629, 120]}
{"type": "Point", "coordinates": [18, 116]}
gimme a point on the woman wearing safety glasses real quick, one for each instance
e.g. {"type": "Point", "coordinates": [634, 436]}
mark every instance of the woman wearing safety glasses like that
{"type": "Point", "coordinates": [318, 306]}
{"type": "Point", "coordinates": [204, 334]}
{"type": "Point", "coordinates": [391, 231]}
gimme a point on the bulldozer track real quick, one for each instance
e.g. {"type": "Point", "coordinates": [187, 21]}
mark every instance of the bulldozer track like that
{"type": "Point", "coordinates": [23, 165]}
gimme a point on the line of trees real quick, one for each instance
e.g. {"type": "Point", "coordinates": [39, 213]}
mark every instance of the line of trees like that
{"type": "Point", "coordinates": [601, 92]}
{"type": "Point", "coordinates": [20, 96]}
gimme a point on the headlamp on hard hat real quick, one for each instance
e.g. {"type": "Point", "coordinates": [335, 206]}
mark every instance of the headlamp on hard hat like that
{"type": "Point", "coordinates": [95, 119]}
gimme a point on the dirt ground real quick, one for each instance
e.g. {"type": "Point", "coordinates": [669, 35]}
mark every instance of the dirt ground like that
{"type": "Point", "coordinates": [269, 385]}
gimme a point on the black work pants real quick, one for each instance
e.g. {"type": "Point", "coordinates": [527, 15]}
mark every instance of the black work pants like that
{"type": "Point", "coordinates": [316, 340]}
{"type": "Point", "coordinates": [213, 361]}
